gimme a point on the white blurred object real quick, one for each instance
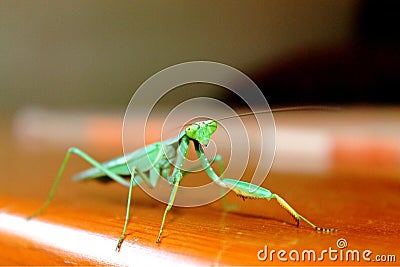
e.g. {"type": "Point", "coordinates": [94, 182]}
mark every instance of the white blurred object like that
{"type": "Point", "coordinates": [302, 150]}
{"type": "Point", "coordinates": [356, 141]}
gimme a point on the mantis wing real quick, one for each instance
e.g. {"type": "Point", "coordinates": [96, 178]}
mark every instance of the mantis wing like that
{"type": "Point", "coordinates": [143, 159]}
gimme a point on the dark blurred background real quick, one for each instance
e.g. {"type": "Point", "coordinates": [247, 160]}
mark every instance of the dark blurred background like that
{"type": "Point", "coordinates": [365, 69]}
{"type": "Point", "coordinates": [95, 54]}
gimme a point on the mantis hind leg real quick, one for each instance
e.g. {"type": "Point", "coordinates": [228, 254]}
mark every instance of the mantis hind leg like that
{"type": "Point", "coordinates": [77, 151]}
{"type": "Point", "coordinates": [247, 190]}
{"type": "Point", "coordinates": [109, 173]}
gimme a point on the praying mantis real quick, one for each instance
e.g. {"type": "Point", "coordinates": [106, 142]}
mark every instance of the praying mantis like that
{"type": "Point", "coordinates": [148, 164]}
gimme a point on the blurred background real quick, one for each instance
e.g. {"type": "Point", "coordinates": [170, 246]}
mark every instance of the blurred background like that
{"type": "Point", "coordinates": [95, 54]}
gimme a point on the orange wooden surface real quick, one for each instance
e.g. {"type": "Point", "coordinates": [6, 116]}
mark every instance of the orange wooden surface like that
{"type": "Point", "coordinates": [365, 209]}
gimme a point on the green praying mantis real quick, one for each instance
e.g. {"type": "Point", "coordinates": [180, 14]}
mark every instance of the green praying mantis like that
{"type": "Point", "coordinates": [149, 163]}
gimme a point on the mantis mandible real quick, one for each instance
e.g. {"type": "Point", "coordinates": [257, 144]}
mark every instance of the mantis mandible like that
{"type": "Point", "coordinates": [147, 164]}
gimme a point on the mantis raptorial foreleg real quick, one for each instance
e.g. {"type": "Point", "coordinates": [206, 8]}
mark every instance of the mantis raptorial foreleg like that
{"type": "Point", "coordinates": [221, 165]}
{"type": "Point", "coordinates": [227, 207]}
{"type": "Point", "coordinates": [248, 190]}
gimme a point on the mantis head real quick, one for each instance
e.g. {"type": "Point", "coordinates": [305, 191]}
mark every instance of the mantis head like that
{"type": "Point", "coordinates": [201, 131]}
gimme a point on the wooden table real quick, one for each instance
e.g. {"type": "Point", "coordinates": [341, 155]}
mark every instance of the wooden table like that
{"type": "Point", "coordinates": [83, 224]}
